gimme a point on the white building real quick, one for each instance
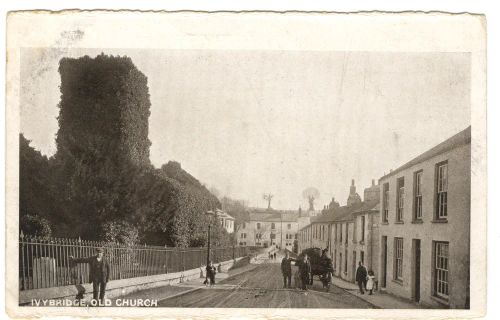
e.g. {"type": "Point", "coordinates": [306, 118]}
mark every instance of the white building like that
{"type": "Point", "coordinates": [264, 227]}
{"type": "Point", "coordinates": [425, 226]}
{"type": "Point", "coordinates": [225, 220]}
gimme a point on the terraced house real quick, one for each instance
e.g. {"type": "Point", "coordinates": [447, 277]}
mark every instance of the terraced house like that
{"type": "Point", "coordinates": [349, 232]}
{"type": "Point", "coordinates": [425, 226]}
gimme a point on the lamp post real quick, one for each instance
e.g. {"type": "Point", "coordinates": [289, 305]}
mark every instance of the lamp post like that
{"type": "Point", "coordinates": [210, 214]}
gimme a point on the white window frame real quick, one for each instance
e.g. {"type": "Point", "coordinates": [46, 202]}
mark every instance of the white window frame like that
{"type": "Point", "coordinates": [442, 191]}
{"type": "Point", "coordinates": [418, 195]}
{"type": "Point", "coordinates": [385, 203]}
{"type": "Point", "coordinates": [441, 269]}
{"type": "Point", "coordinates": [398, 258]}
{"type": "Point", "coordinates": [400, 208]}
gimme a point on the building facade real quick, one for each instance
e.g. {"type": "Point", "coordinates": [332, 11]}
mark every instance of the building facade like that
{"type": "Point", "coordinates": [267, 227]}
{"type": "Point", "coordinates": [425, 226]}
{"type": "Point", "coordinates": [350, 233]}
{"type": "Point", "coordinates": [226, 220]}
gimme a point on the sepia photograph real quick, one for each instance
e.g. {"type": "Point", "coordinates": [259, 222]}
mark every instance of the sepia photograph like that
{"type": "Point", "coordinates": [228, 164]}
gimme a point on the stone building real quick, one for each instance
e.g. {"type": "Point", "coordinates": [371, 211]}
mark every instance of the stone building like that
{"type": "Point", "coordinates": [268, 227]}
{"type": "Point", "coordinates": [425, 226]}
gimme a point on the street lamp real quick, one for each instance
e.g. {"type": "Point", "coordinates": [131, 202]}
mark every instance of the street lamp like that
{"type": "Point", "coordinates": [210, 214]}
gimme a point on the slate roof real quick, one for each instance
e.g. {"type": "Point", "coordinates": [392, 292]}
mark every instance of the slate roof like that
{"type": "Point", "coordinates": [265, 215]}
{"type": "Point", "coordinates": [460, 139]}
{"type": "Point", "coordinates": [346, 213]}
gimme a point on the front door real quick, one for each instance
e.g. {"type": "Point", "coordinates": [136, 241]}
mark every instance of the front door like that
{"type": "Point", "coordinates": [416, 285]}
{"type": "Point", "coordinates": [354, 266]}
{"type": "Point", "coordinates": [384, 262]}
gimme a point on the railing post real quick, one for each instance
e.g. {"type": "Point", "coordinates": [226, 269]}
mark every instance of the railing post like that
{"type": "Point", "coordinates": [166, 260]}
{"type": "Point", "coordinates": [22, 255]}
{"type": "Point", "coordinates": [78, 268]}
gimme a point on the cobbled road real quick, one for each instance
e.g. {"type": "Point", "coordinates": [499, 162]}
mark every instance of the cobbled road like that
{"type": "Point", "coordinates": [262, 287]}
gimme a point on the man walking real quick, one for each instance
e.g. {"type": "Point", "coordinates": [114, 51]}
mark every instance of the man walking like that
{"type": "Point", "coordinates": [286, 270]}
{"type": "Point", "coordinates": [98, 272]}
{"type": "Point", "coordinates": [361, 275]}
{"type": "Point", "coordinates": [304, 271]}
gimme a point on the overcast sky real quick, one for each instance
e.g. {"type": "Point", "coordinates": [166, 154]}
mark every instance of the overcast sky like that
{"type": "Point", "coordinates": [254, 122]}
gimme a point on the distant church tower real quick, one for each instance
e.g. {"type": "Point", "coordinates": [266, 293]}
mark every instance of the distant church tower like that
{"type": "Point", "coordinates": [353, 196]}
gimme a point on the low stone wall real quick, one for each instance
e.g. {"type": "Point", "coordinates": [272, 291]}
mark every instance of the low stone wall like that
{"type": "Point", "coordinates": [116, 288]}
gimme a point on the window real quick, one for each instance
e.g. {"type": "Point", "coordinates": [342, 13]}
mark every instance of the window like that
{"type": "Point", "coordinates": [398, 258]}
{"type": "Point", "coordinates": [385, 204]}
{"type": "Point", "coordinates": [345, 261]}
{"type": "Point", "coordinates": [243, 235]}
{"type": "Point", "coordinates": [362, 256]}
{"type": "Point", "coordinates": [244, 225]}
{"type": "Point", "coordinates": [340, 263]}
{"type": "Point", "coordinates": [442, 190]}
{"type": "Point", "coordinates": [418, 195]}
{"type": "Point", "coordinates": [441, 269]}
{"type": "Point", "coordinates": [273, 226]}
{"type": "Point", "coordinates": [258, 225]}
{"type": "Point", "coordinates": [340, 233]}
{"type": "Point", "coordinates": [346, 233]}
{"type": "Point", "coordinates": [273, 236]}
{"type": "Point", "coordinates": [289, 226]}
{"type": "Point", "coordinates": [362, 228]}
{"type": "Point", "coordinates": [258, 236]}
{"type": "Point", "coordinates": [401, 200]}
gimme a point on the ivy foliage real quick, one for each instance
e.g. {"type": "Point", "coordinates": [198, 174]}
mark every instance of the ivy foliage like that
{"type": "Point", "coordinates": [100, 184]}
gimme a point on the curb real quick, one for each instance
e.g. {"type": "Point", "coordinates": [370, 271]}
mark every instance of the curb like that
{"type": "Point", "coordinates": [200, 288]}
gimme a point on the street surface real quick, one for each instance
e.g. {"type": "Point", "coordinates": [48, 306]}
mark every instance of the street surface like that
{"type": "Point", "coordinates": [262, 287]}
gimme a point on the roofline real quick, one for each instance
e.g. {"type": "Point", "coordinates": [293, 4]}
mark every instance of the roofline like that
{"type": "Point", "coordinates": [340, 220]}
{"type": "Point", "coordinates": [434, 151]}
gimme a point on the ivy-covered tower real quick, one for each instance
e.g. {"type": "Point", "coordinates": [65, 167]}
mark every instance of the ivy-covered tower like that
{"type": "Point", "coordinates": [104, 109]}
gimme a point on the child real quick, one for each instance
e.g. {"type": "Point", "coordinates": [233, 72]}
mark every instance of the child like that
{"type": "Point", "coordinates": [371, 281]}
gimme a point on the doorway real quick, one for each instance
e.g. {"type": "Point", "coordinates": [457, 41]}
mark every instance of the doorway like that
{"type": "Point", "coordinates": [416, 269]}
{"type": "Point", "coordinates": [354, 266]}
{"type": "Point", "coordinates": [384, 262]}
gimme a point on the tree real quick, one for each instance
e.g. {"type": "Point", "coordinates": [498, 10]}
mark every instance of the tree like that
{"type": "Point", "coordinates": [35, 225]}
{"type": "Point", "coordinates": [38, 197]}
{"type": "Point", "coordinates": [311, 194]}
{"type": "Point", "coordinates": [100, 184]}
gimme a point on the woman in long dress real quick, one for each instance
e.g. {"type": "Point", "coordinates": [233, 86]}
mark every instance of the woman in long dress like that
{"type": "Point", "coordinates": [370, 281]}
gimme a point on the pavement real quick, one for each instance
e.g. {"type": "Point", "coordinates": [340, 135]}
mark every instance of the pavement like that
{"type": "Point", "coordinates": [380, 299]}
{"type": "Point", "coordinates": [260, 285]}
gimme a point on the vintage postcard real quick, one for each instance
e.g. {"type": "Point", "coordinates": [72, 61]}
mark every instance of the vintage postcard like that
{"type": "Point", "coordinates": [246, 164]}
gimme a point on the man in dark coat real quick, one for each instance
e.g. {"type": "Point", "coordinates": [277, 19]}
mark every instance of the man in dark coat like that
{"type": "Point", "coordinates": [98, 272]}
{"type": "Point", "coordinates": [286, 270]}
{"type": "Point", "coordinates": [361, 275]}
{"type": "Point", "coordinates": [211, 271]}
{"type": "Point", "coordinates": [305, 271]}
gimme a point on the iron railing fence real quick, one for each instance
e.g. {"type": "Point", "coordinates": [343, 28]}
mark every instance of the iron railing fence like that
{"type": "Point", "coordinates": [45, 262]}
